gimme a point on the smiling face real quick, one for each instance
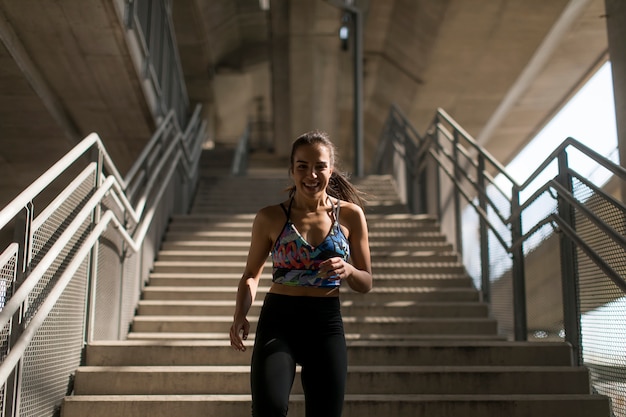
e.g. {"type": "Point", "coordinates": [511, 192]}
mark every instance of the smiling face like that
{"type": "Point", "coordinates": [311, 168]}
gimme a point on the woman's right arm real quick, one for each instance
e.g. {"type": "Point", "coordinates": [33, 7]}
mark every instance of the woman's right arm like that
{"type": "Point", "coordinates": [260, 246]}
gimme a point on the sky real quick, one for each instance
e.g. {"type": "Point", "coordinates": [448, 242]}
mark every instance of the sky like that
{"type": "Point", "coordinates": [588, 117]}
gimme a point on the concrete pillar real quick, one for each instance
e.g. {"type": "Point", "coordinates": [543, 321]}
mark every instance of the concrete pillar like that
{"type": "Point", "coordinates": [616, 30]}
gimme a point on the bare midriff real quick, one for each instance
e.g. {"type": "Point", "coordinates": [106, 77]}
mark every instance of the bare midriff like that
{"type": "Point", "coordinates": [303, 291]}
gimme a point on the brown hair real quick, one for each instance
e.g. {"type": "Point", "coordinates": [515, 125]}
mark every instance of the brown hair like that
{"type": "Point", "coordinates": [339, 185]}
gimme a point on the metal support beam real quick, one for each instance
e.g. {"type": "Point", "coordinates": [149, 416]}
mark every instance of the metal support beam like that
{"type": "Point", "coordinates": [356, 15]}
{"type": "Point", "coordinates": [358, 92]}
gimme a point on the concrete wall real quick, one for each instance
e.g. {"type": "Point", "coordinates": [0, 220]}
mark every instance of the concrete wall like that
{"type": "Point", "coordinates": [616, 28]}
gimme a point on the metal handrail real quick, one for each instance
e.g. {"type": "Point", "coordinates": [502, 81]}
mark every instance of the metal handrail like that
{"type": "Point", "coordinates": [170, 150]}
{"type": "Point", "coordinates": [41, 183]}
{"type": "Point", "coordinates": [442, 115]}
{"type": "Point", "coordinates": [240, 160]}
{"type": "Point", "coordinates": [436, 146]}
{"type": "Point", "coordinates": [617, 170]}
{"type": "Point", "coordinates": [397, 133]}
{"type": "Point", "coordinates": [150, 23]}
{"type": "Point", "coordinates": [11, 307]}
{"type": "Point", "coordinates": [571, 233]}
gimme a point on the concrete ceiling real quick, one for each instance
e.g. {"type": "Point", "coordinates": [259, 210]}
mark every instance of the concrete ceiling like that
{"type": "Point", "coordinates": [501, 68]}
{"type": "Point", "coordinates": [65, 72]}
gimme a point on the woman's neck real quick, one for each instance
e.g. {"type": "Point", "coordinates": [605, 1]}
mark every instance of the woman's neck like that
{"type": "Point", "coordinates": [311, 205]}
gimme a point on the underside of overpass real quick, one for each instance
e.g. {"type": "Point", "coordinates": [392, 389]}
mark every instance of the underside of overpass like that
{"type": "Point", "coordinates": [500, 68]}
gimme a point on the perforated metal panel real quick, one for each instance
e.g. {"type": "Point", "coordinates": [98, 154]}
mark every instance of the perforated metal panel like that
{"type": "Point", "coordinates": [55, 352]}
{"type": "Point", "coordinates": [7, 279]}
{"type": "Point", "coordinates": [602, 302]}
{"type": "Point", "coordinates": [106, 313]}
{"type": "Point", "coordinates": [47, 228]}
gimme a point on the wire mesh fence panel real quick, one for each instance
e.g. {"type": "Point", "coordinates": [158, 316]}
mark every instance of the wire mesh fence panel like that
{"type": "Point", "coordinates": [55, 352]}
{"type": "Point", "coordinates": [47, 229]}
{"type": "Point", "coordinates": [602, 301]}
{"type": "Point", "coordinates": [603, 333]}
{"type": "Point", "coordinates": [8, 272]}
{"type": "Point", "coordinates": [501, 282]}
{"type": "Point", "coordinates": [471, 240]}
{"type": "Point", "coordinates": [544, 302]}
{"type": "Point", "coordinates": [108, 289]}
{"type": "Point", "coordinates": [542, 269]}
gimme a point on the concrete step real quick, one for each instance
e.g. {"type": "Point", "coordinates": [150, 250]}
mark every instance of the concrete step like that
{"type": "Point", "coordinates": [360, 352]}
{"type": "Point", "coordinates": [190, 255]}
{"type": "Point", "coordinates": [564, 405]}
{"type": "Point", "coordinates": [401, 218]}
{"type": "Point", "coordinates": [244, 244]}
{"type": "Point", "coordinates": [393, 245]}
{"type": "Point", "coordinates": [244, 235]}
{"type": "Point", "coordinates": [398, 309]}
{"type": "Point", "coordinates": [374, 220]}
{"type": "Point", "coordinates": [212, 218]}
{"type": "Point", "coordinates": [394, 325]}
{"type": "Point", "coordinates": [386, 207]}
{"type": "Point", "coordinates": [180, 336]}
{"type": "Point", "coordinates": [377, 267]}
{"type": "Point", "coordinates": [393, 235]}
{"type": "Point", "coordinates": [407, 227]}
{"type": "Point", "coordinates": [199, 279]}
{"type": "Point", "coordinates": [219, 254]}
{"type": "Point", "coordinates": [423, 380]}
{"type": "Point", "coordinates": [216, 236]}
{"type": "Point", "coordinates": [377, 295]}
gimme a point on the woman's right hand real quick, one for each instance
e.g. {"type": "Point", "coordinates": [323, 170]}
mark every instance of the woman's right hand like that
{"type": "Point", "coordinates": [238, 333]}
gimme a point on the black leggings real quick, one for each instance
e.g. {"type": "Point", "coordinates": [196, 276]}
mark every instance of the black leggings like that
{"type": "Point", "coordinates": [299, 330]}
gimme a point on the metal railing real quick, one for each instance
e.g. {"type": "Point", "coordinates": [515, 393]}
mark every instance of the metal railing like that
{"type": "Point", "coordinates": [150, 21]}
{"type": "Point", "coordinates": [75, 270]}
{"type": "Point", "coordinates": [555, 245]}
{"type": "Point", "coordinates": [240, 159]}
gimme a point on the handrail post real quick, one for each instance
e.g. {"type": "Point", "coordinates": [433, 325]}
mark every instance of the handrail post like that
{"type": "Point", "coordinates": [519, 279]}
{"type": "Point", "coordinates": [422, 185]}
{"type": "Point", "coordinates": [569, 270]}
{"type": "Point", "coordinates": [22, 235]}
{"type": "Point", "coordinates": [457, 197]}
{"type": "Point", "coordinates": [358, 92]}
{"type": "Point", "coordinates": [92, 270]}
{"type": "Point", "coordinates": [435, 134]}
{"type": "Point", "coordinates": [484, 234]}
{"type": "Point", "coordinates": [408, 172]}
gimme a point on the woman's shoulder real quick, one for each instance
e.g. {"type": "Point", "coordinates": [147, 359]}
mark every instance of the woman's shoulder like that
{"type": "Point", "coordinates": [349, 208]}
{"type": "Point", "coordinates": [272, 213]}
{"type": "Point", "coordinates": [350, 214]}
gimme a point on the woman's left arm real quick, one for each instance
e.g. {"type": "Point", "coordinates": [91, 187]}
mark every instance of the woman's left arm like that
{"type": "Point", "coordinates": [357, 272]}
{"type": "Point", "coordinates": [360, 277]}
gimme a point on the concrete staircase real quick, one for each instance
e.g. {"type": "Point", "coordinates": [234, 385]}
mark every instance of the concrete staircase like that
{"type": "Point", "coordinates": [420, 344]}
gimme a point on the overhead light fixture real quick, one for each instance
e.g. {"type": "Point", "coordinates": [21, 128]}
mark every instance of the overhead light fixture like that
{"type": "Point", "coordinates": [264, 4]}
{"type": "Point", "coordinates": [344, 31]}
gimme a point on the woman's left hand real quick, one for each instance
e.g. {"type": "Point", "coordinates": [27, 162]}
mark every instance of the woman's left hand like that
{"type": "Point", "coordinates": [336, 268]}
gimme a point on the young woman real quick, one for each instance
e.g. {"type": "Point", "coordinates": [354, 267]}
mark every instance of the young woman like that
{"type": "Point", "coordinates": [318, 240]}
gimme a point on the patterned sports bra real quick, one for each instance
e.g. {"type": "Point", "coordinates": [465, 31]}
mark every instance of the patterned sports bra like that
{"type": "Point", "coordinates": [296, 262]}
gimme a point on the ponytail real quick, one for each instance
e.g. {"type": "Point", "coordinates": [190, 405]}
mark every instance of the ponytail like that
{"type": "Point", "coordinates": [340, 187]}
